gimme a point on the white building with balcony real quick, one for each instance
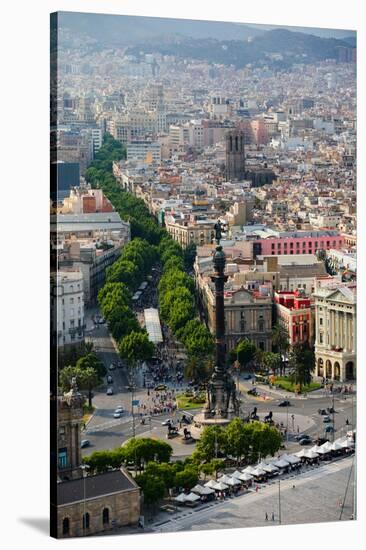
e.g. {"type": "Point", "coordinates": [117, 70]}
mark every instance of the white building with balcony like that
{"type": "Point", "coordinates": [67, 308]}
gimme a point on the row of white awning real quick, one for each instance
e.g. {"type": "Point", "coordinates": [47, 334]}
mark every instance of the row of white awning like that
{"type": "Point", "coordinates": [272, 467]}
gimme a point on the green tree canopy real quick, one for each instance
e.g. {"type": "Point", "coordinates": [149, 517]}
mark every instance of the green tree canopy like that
{"type": "Point", "coordinates": [135, 347]}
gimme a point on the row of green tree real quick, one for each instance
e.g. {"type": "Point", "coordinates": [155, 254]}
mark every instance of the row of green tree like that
{"type": "Point", "coordinates": [301, 358]}
{"type": "Point", "coordinates": [130, 208]}
{"type": "Point", "coordinates": [243, 442]}
{"type": "Point", "coordinates": [178, 308]}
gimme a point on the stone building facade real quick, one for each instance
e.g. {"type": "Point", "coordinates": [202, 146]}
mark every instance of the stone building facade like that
{"type": "Point", "coordinates": [248, 314]}
{"type": "Point", "coordinates": [335, 343]}
{"type": "Point", "coordinates": [69, 419]}
{"type": "Point", "coordinates": [94, 504]}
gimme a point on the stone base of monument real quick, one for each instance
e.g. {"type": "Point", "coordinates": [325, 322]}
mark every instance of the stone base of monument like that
{"type": "Point", "coordinates": [201, 420]}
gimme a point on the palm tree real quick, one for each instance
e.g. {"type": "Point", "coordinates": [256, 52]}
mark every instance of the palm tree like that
{"type": "Point", "coordinates": [302, 364]}
{"type": "Point", "coordinates": [280, 341]}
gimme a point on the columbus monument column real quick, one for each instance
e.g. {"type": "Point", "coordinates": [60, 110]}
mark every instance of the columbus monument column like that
{"type": "Point", "coordinates": [221, 402]}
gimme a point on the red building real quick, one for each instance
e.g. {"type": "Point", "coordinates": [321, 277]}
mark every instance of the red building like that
{"type": "Point", "coordinates": [295, 313]}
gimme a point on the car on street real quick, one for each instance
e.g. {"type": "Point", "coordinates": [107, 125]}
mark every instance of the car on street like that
{"type": "Point", "coordinates": [117, 414]}
{"type": "Point", "coordinates": [161, 387]}
{"type": "Point", "coordinates": [302, 436]}
{"type": "Point", "coordinates": [112, 366]}
{"type": "Point", "coordinates": [330, 429]}
{"type": "Point", "coordinates": [322, 411]}
{"type": "Point", "coordinates": [247, 377]}
{"type": "Point", "coordinates": [254, 391]}
{"type": "Point", "coordinates": [327, 419]}
{"type": "Point", "coordinates": [109, 379]}
{"type": "Point", "coordinates": [305, 441]}
{"type": "Point", "coordinates": [110, 391]}
{"type": "Point", "coordinates": [84, 443]}
{"type": "Point", "coordinates": [119, 364]}
{"type": "Point", "coordinates": [284, 403]}
{"type": "Point", "coordinates": [119, 409]}
{"type": "Point", "coordinates": [101, 320]}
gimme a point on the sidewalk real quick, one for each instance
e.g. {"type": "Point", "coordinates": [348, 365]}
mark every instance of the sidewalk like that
{"type": "Point", "coordinates": [265, 390]}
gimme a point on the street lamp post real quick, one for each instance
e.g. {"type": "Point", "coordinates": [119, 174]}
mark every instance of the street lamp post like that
{"type": "Point", "coordinates": [279, 501]}
{"type": "Point", "coordinates": [84, 468]}
{"type": "Point", "coordinates": [287, 422]}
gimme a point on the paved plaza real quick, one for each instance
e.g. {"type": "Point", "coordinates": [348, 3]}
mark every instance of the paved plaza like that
{"type": "Point", "coordinates": [316, 497]}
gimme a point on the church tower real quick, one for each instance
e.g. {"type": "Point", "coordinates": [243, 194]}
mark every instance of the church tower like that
{"type": "Point", "coordinates": [235, 157]}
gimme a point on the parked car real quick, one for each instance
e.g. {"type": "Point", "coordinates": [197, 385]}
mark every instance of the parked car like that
{"type": "Point", "coordinates": [160, 387]}
{"type": "Point", "coordinates": [84, 443]}
{"type": "Point", "coordinates": [101, 320]}
{"type": "Point", "coordinates": [119, 409]}
{"type": "Point", "coordinates": [109, 379]}
{"type": "Point", "coordinates": [302, 436]}
{"type": "Point", "coordinates": [322, 411]}
{"type": "Point", "coordinates": [117, 414]}
{"type": "Point", "coordinates": [330, 429]}
{"type": "Point", "coordinates": [247, 376]}
{"type": "Point", "coordinates": [327, 419]}
{"type": "Point", "coordinates": [305, 441]}
{"type": "Point", "coordinates": [110, 391]}
{"type": "Point", "coordinates": [284, 403]}
{"type": "Point", "coordinates": [254, 391]}
{"type": "Point", "coordinates": [119, 364]}
{"type": "Point", "coordinates": [112, 366]}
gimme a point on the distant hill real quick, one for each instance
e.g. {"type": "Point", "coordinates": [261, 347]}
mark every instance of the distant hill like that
{"type": "Point", "coordinates": [128, 29]}
{"type": "Point", "coordinates": [277, 48]}
{"type": "Point", "coordinates": [316, 31]}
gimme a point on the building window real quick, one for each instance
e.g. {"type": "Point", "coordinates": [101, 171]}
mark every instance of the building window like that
{"type": "Point", "coordinates": [321, 321]}
{"type": "Point", "coordinates": [61, 430]}
{"type": "Point", "coordinates": [71, 300]}
{"type": "Point", "coordinates": [105, 516]}
{"type": "Point", "coordinates": [242, 325]}
{"type": "Point", "coordinates": [62, 458]}
{"type": "Point", "coordinates": [65, 526]}
{"type": "Point", "coordinates": [86, 520]}
{"type": "Point", "coordinates": [261, 325]}
{"type": "Point", "coordinates": [261, 346]}
{"type": "Point", "coordinates": [321, 338]}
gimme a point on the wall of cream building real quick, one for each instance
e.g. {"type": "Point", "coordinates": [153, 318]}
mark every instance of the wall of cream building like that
{"type": "Point", "coordinates": [335, 343]}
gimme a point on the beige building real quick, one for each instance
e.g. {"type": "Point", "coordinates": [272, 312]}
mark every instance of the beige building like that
{"type": "Point", "coordinates": [94, 504]}
{"type": "Point", "coordinates": [190, 231]}
{"type": "Point", "coordinates": [248, 314]}
{"type": "Point", "coordinates": [84, 505]}
{"type": "Point", "coordinates": [335, 343]}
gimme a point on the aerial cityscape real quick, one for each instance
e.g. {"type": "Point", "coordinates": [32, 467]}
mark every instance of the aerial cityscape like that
{"type": "Point", "coordinates": [203, 275]}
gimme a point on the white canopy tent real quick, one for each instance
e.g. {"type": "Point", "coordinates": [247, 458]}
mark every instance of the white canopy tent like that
{"type": "Point", "coordinates": [281, 463]}
{"type": "Point", "coordinates": [301, 454]}
{"type": "Point", "coordinates": [348, 443]}
{"type": "Point", "coordinates": [192, 497]}
{"type": "Point", "coordinates": [220, 486]}
{"type": "Point", "coordinates": [248, 470]}
{"type": "Point", "coordinates": [180, 498]}
{"type": "Point", "coordinates": [258, 472]}
{"type": "Point", "coordinates": [231, 481]}
{"type": "Point", "coordinates": [326, 447]}
{"type": "Point", "coordinates": [337, 446]}
{"type": "Point", "coordinates": [211, 484]}
{"type": "Point", "coordinates": [292, 459]}
{"type": "Point", "coordinates": [201, 490]}
{"type": "Point", "coordinates": [311, 454]}
{"type": "Point", "coordinates": [242, 477]}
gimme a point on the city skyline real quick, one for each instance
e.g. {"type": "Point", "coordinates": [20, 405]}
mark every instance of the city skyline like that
{"type": "Point", "coordinates": [172, 154]}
